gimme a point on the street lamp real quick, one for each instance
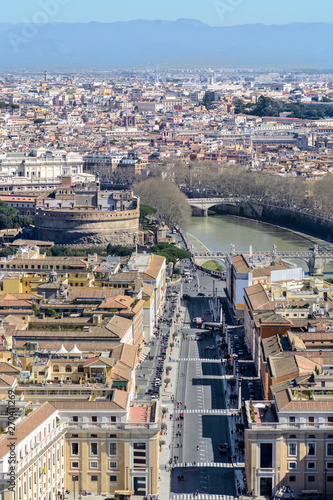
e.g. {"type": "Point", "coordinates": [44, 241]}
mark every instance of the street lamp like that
{"type": "Point", "coordinates": [151, 480]}
{"type": "Point", "coordinates": [80, 472]}
{"type": "Point", "coordinates": [75, 478]}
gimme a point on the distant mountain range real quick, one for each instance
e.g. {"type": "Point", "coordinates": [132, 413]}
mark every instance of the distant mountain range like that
{"type": "Point", "coordinates": [184, 42]}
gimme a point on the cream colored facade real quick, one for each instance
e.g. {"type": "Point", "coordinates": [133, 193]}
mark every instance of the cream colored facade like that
{"type": "Point", "coordinates": [39, 472]}
{"type": "Point", "coordinates": [99, 445]}
{"type": "Point", "coordinates": [106, 460]}
{"type": "Point", "coordinates": [296, 450]}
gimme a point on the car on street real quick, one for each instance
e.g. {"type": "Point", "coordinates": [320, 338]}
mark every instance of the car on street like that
{"type": "Point", "coordinates": [210, 348]}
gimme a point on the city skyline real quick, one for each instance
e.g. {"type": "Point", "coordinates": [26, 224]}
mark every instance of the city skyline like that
{"type": "Point", "coordinates": [214, 13]}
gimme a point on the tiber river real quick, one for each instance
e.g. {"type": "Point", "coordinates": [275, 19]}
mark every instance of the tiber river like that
{"type": "Point", "coordinates": [217, 232]}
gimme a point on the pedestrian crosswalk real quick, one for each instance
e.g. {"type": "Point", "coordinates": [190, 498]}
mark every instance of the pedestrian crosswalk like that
{"type": "Point", "coordinates": [201, 496]}
{"type": "Point", "coordinates": [210, 360]}
{"type": "Point", "coordinates": [223, 465]}
{"type": "Point", "coordinates": [211, 412]}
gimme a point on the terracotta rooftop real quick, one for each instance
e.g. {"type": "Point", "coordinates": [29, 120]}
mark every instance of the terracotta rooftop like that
{"type": "Point", "coordinates": [126, 354]}
{"type": "Point", "coordinates": [118, 325]}
{"type": "Point", "coordinates": [139, 414]}
{"type": "Point", "coordinates": [24, 428]}
{"type": "Point", "coordinates": [8, 368]}
{"type": "Point", "coordinates": [270, 318]}
{"type": "Point", "coordinates": [266, 271]}
{"type": "Point", "coordinates": [256, 296]}
{"type": "Point", "coordinates": [240, 264]}
{"type": "Point", "coordinates": [93, 293]}
{"type": "Point", "coordinates": [6, 380]}
{"type": "Point", "coordinates": [286, 402]}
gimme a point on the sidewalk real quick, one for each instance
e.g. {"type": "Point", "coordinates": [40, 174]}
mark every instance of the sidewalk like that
{"type": "Point", "coordinates": [238, 458]}
{"type": "Point", "coordinates": [166, 402]}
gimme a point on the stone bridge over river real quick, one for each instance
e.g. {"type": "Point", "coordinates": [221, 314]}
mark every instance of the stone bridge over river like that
{"type": "Point", "coordinates": [204, 204]}
{"type": "Point", "coordinates": [315, 259]}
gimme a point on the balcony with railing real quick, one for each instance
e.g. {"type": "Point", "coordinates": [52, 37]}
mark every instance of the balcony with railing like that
{"type": "Point", "coordinates": [262, 414]}
{"type": "Point", "coordinates": [40, 448]}
{"type": "Point", "coordinates": [111, 426]}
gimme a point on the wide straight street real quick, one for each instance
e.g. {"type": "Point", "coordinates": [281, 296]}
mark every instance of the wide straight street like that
{"type": "Point", "coordinates": [199, 466]}
{"type": "Point", "coordinates": [199, 418]}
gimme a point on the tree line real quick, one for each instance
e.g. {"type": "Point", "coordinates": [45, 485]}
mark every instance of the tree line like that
{"type": "Point", "coordinates": [10, 218]}
{"type": "Point", "coordinates": [165, 196]}
{"type": "Point", "coordinates": [211, 178]}
{"type": "Point", "coordinates": [266, 106]}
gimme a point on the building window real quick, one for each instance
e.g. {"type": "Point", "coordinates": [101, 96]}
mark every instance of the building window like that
{"type": "Point", "coordinates": [94, 478]}
{"type": "Point", "coordinates": [68, 369]}
{"type": "Point", "coordinates": [266, 455]}
{"type": "Point", "coordinates": [75, 479]}
{"type": "Point", "coordinates": [330, 479]}
{"type": "Point", "coordinates": [94, 465]}
{"type": "Point", "coordinates": [311, 420]}
{"type": "Point", "coordinates": [75, 448]}
{"type": "Point", "coordinates": [292, 420]}
{"type": "Point", "coordinates": [113, 479]}
{"type": "Point", "coordinates": [75, 418]}
{"type": "Point", "coordinates": [292, 449]}
{"type": "Point", "coordinates": [330, 420]}
{"type": "Point", "coordinates": [311, 465]}
{"type": "Point", "coordinates": [113, 420]}
{"type": "Point", "coordinates": [75, 465]}
{"type": "Point", "coordinates": [93, 449]}
{"type": "Point", "coordinates": [80, 369]}
{"type": "Point", "coordinates": [113, 465]}
{"type": "Point", "coordinates": [292, 479]}
{"type": "Point", "coordinates": [311, 449]}
{"type": "Point", "coordinates": [329, 465]}
{"type": "Point", "coordinates": [94, 419]}
{"type": "Point", "coordinates": [56, 368]}
{"type": "Point", "coordinates": [311, 479]}
{"type": "Point", "coordinates": [292, 465]}
{"type": "Point", "coordinates": [139, 455]}
{"type": "Point", "coordinates": [112, 449]}
{"type": "Point", "coordinates": [329, 449]}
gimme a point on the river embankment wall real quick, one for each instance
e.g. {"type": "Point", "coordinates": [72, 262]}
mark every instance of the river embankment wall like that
{"type": "Point", "coordinates": [285, 217]}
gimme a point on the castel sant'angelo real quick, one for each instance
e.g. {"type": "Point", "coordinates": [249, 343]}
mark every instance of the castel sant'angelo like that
{"type": "Point", "coordinates": [83, 214]}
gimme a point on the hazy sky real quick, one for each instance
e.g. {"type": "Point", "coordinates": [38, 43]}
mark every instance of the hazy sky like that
{"type": "Point", "coordinates": [213, 12]}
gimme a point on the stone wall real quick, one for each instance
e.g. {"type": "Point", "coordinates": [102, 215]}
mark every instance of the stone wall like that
{"type": "Point", "coordinates": [90, 227]}
{"type": "Point", "coordinates": [293, 219]}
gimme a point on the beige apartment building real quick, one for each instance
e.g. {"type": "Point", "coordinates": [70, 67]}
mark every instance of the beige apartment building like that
{"type": "Point", "coordinates": [92, 444]}
{"type": "Point", "coordinates": [289, 442]}
{"type": "Point", "coordinates": [32, 456]}
{"type": "Point", "coordinates": [109, 449]}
